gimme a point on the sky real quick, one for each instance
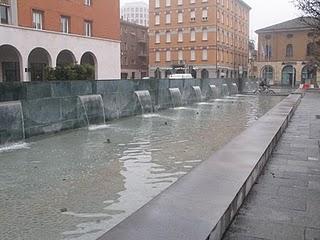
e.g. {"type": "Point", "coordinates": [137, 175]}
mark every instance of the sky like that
{"type": "Point", "coordinates": [264, 13]}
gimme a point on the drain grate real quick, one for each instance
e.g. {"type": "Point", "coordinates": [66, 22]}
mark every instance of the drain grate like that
{"type": "Point", "coordinates": [317, 116]}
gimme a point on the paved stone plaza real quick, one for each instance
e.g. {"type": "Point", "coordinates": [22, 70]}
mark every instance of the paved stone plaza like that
{"type": "Point", "coordinates": [285, 201]}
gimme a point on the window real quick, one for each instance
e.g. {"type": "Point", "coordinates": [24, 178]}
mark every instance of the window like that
{"type": "Point", "coordinates": [192, 1]}
{"type": "Point", "coordinates": [289, 50]}
{"type": "Point", "coordinates": [87, 2]}
{"type": "Point", "coordinates": [205, 34]}
{"type": "Point", "coordinates": [180, 2]}
{"type": "Point", "coordinates": [192, 35]}
{"type": "Point", "coordinates": [168, 18]}
{"type": "Point", "coordinates": [157, 3]}
{"type": "Point", "coordinates": [311, 49]}
{"type": "Point", "coordinates": [88, 28]}
{"type": "Point", "coordinates": [168, 37]}
{"type": "Point", "coordinates": [37, 19]}
{"type": "Point", "coordinates": [64, 24]}
{"type": "Point", "coordinates": [204, 15]}
{"type": "Point", "coordinates": [180, 35]}
{"type": "Point", "coordinates": [180, 55]}
{"type": "Point", "coordinates": [204, 54]}
{"type": "Point", "coordinates": [4, 14]}
{"type": "Point", "coordinates": [168, 3]}
{"type": "Point", "coordinates": [180, 17]}
{"type": "Point", "coordinates": [157, 37]}
{"type": "Point", "coordinates": [168, 56]}
{"type": "Point", "coordinates": [192, 55]}
{"type": "Point", "coordinates": [192, 15]}
{"type": "Point", "coordinates": [157, 56]}
{"type": "Point", "coordinates": [157, 19]}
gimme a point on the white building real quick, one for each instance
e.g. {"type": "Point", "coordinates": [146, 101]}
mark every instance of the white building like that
{"type": "Point", "coordinates": [32, 40]}
{"type": "Point", "coordinates": [136, 12]}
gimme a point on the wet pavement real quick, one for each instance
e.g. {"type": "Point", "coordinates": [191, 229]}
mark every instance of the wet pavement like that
{"type": "Point", "coordinates": [285, 201]}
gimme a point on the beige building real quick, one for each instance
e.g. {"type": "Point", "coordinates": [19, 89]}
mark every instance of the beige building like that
{"type": "Point", "coordinates": [285, 53]}
{"type": "Point", "coordinates": [208, 38]}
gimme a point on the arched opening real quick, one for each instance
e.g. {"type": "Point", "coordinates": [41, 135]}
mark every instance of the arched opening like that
{"type": "Point", "coordinates": [308, 74]}
{"type": "Point", "coordinates": [90, 59]}
{"type": "Point", "coordinates": [267, 73]}
{"type": "Point", "coordinates": [157, 74]}
{"type": "Point", "coordinates": [65, 57]}
{"type": "Point", "coordinates": [194, 73]}
{"type": "Point", "coordinates": [204, 74]}
{"type": "Point", "coordinates": [38, 60]}
{"type": "Point", "coordinates": [10, 64]}
{"type": "Point", "coordinates": [288, 75]}
{"type": "Point", "coordinates": [167, 73]}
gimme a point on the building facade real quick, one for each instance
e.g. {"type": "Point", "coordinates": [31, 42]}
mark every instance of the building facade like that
{"type": "Point", "coordinates": [134, 51]}
{"type": "Point", "coordinates": [285, 53]}
{"type": "Point", "coordinates": [36, 34]}
{"type": "Point", "coordinates": [208, 38]}
{"type": "Point", "coordinates": [136, 12]}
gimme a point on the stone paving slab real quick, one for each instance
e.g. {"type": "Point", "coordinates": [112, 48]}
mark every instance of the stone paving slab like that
{"type": "Point", "coordinates": [285, 201]}
{"type": "Point", "coordinates": [201, 204]}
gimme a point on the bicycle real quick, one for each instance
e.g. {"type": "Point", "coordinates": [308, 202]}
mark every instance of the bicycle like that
{"type": "Point", "coordinates": [264, 91]}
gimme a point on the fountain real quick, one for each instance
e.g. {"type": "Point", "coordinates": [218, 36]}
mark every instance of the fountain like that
{"type": "Point", "coordinates": [213, 92]}
{"type": "Point", "coordinates": [11, 122]}
{"type": "Point", "coordinates": [94, 109]}
{"type": "Point", "coordinates": [225, 90]}
{"type": "Point", "coordinates": [197, 93]}
{"type": "Point", "coordinates": [176, 97]}
{"type": "Point", "coordinates": [234, 89]}
{"type": "Point", "coordinates": [145, 100]}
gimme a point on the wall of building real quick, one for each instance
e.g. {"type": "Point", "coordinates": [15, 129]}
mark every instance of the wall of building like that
{"type": "Point", "coordinates": [136, 12]}
{"type": "Point", "coordinates": [227, 24]}
{"type": "Point", "coordinates": [103, 14]}
{"type": "Point", "coordinates": [134, 50]}
{"type": "Point", "coordinates": [278, 59]}
{"type": "Point", "coordinates": [106, 52]}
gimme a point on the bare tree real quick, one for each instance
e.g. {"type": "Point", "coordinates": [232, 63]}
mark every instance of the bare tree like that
{"type": "Point", "coordinates": [311, 13]}
{"type": "Point", "coordinates": [311, 17]}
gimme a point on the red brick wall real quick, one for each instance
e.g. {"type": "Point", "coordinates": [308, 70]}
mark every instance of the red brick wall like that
{"type": "Point", "coordinates": [104, 15]}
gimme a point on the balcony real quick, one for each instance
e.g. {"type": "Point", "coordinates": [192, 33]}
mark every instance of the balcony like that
{"type": "Point", "coordinates": [142, 54]}
{"type": "Point", "coordinates": [140, 40]}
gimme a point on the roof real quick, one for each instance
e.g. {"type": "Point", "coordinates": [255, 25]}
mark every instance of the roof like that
{"type": "Point", "coordinates": [299, 23]}
{"type": "Point", "coordinates": [245, 4]}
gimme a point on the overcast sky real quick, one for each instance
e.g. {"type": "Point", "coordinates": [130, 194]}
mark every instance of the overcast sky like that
{"type": "Point", "coordinates": [264, 12]}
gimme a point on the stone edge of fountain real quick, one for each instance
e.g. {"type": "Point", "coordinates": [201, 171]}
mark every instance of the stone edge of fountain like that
{"type": "Point", "coordinates": [202, 204]}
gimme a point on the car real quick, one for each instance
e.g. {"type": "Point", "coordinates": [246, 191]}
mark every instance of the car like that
{"type": "Point", "coordinates": [180, 76]}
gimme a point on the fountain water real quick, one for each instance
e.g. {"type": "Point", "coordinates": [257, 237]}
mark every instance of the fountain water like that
{"type": "Point", "coordinates": [94, 109]}
{"type": "Point", "coordinates": [11, 122]}
{"type": "Point", "coordinates": [225, 90]}
{"type": "Point", "coordinates": [234, 89]}
{"type": "Point", "coordinates": [197, 93]}
{"type": "Point", "coordinates": [145, 100]}
{"type": "Point", "coordinates": [213, 93]}
{"type": "Point", "coordinates": [176, 97]}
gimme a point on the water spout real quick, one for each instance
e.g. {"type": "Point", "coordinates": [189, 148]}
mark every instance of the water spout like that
{"type": "Point", "coordinates": [93, 109]}
{"type": "Point", "coordinates": [225, 90]}
{"type": "Point", "coordinates": [197, 93]}
{"type": "Point", "coordinates": [11, 122]}
{"type": "Point", "coordinates": [145, 100]}
{"type": "Point", "coordinates": [176, 97]}
{"type": "Point", "coordinates": [213, 92]}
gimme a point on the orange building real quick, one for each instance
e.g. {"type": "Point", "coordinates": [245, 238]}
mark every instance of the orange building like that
{"type": "Point", "coordinates": [208, 38]}
{"type": "Point", "coordinates": [40, 33]}
{"type": "Point", "coordinates": [285, 53]}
